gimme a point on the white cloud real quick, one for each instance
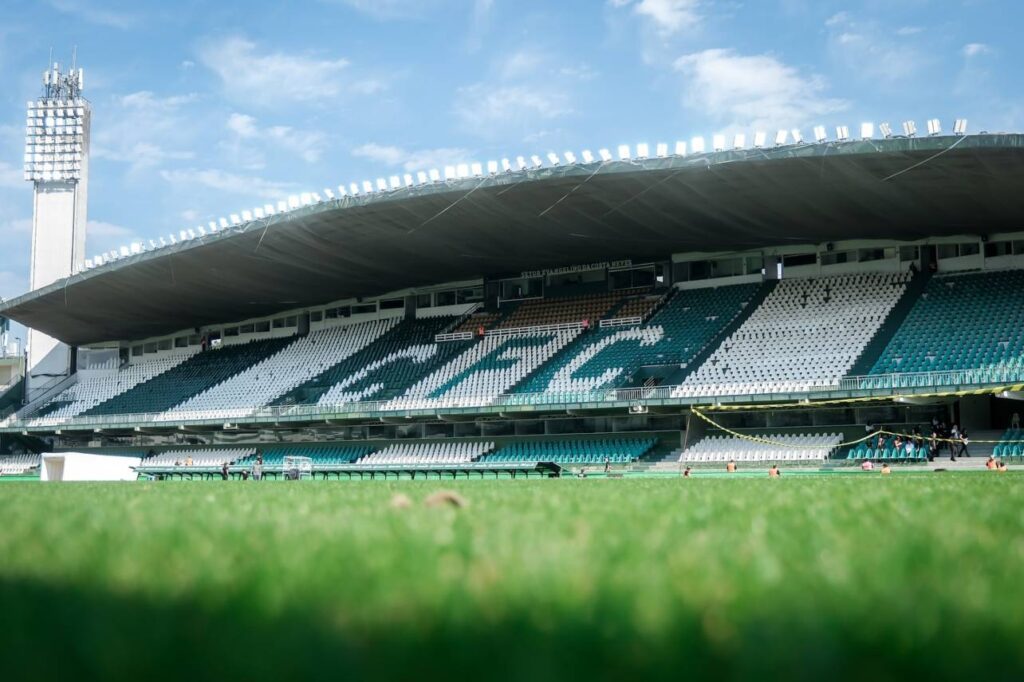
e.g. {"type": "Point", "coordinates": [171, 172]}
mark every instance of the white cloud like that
{"type": "Point", "coordinates": [99, 228]}
{"type": "Point", "coordinates": [668, 16]}
{"type": "Point", "coordinates": [752, 90]}
{"type": "Point", "coordinates": [486, 109]}
{"type": "Point", "coordinates": [232, 183]}
{"type": "Point", "coordinates": [145, 130]}
{"type": "Point", "coordinates": [94, 15]}
{"type": "Point", "coordinates": [869, 49]}
{"type": "Point", "coordinates": [410, 161]}
{"type": "Point", "coordinates": [277, 77]}
{"type": "Point", "coordinates": [909, 30]}
{"type": "Point", "coordinates": [391, 9]}
{"type": "Point", "coordinates": [975, 49]}
{"type": "Point", "coordinates": [308, 145]}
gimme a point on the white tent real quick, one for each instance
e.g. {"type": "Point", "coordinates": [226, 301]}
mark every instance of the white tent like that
{"type": "Point", "coordinates": [79, 466]}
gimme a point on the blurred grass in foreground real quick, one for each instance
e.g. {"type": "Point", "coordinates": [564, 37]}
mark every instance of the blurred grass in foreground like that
{"type": "Point", "coordinates": [835, 577]}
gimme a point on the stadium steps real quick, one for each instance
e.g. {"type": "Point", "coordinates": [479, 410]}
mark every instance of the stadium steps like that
{"type": "Point", "coordinates": [874, 349]}
{"type": "Point", "coordinates": [677, 377]}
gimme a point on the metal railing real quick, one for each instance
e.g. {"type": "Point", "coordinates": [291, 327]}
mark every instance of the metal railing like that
{"type": "Point", "coordinates": [453, 336]}
{"type": "Point", "coordinates": [621, 322]}
{"type": "Point", "coordinates": [686, 394]}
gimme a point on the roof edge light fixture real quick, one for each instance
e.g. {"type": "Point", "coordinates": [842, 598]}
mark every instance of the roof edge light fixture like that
{"type": "Point", "coordinates": [643, 151]}
{"type": "Point", "coordinates": [661, 150]}
{"type": "Point", "coordinates": [718, 142]}
{"type": "Point", "coordinates": [680, 148]}
{"type": "Point", "coordinates": [934, 126]}
{"type": "Point", "coordinates": [604, 154]}
{"type": "Point", "coordinates": [867, 131]}
{"type": "Point", "coordinates": [885, 129]}
{"type": "Point", "coordinates": [819, 134]}
{"type": "Point", "coordinates": [624, 152]}
{"type": "Point", "coordinates": [797, 136]}
{"type": "Point", "coordinates": [588, 156]}
{"type": "Point", "coordinates": [910, 128]}
{"type": "Point", "coordinates": [842, 133]}
{"type": "Point", "coordinates": [739, 141]}
{"type": "Point", "coordinates": [960, 127]}
{"type": "Point", "coordinates": [697, 145]}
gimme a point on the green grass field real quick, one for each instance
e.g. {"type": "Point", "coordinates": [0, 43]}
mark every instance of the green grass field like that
{"type": "Point", "coordinates": [833, 577]}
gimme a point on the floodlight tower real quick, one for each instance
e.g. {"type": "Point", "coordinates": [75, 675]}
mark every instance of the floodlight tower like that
{"type": "Point", "coordinates": [57, 165]}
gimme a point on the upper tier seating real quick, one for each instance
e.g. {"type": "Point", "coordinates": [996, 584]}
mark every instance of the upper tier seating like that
{"type": "Point", "coordinates": [474, 322]}
{"type": "Point", "coordinates": [680, 330]}
{"type": "Point", "coordinates": [801, 448]}
{"type": "Point", "coordinates": [963, 322]}
{"type": "Point", "coordinates": [207, 457]}
{"type": "Point", "coordinates": [16, 465]}
{"type": "Point", "coordinates": [382, 370]}
{"type": "Point", "coordinates": [88, 393]}
{"type": "Point", "coordinates": [308, 356]}
{"type": "Point", "coordinates": [616, 451]}
{"type": "Point", "coordinates": [189, 378]}
{"type": "Point", "coordinates": [562, 310]}
{"type": "Point", "coordinates": [639, 306]}
{"type": "Point", "coordinates": [486, 370]}
{"type": "Point", "coordinates": [457, 452]}
{"type": "Point", "coordinates": [807, 334]}
{"type": "Point", "coordinates": [322, 455]}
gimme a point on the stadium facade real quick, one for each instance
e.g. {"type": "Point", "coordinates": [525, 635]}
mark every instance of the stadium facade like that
{"type": "Point", "coordinates": [642, 310]}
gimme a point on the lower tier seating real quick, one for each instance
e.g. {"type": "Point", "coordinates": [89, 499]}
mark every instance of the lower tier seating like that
{"type": "Point", "coordinates": [615, 451]}
{"type": "Point", "coordinates": [890, 449]}
{"type": "Point", "coordinates": [322, 455]}
{"type": "Point", "coordinates": [800, 448]}
{"type": "Point", "coordinates": [806, 335]}
{"type": "Point", "coordinates": [1011, 444]}
{"type": "Point", "coordinates": [206, 457]}
{"type": "Point", "coordinates": [963, 322]}
{"type": "Point", "coordinates": [428, 453]}
{"type": "Point", "coordinates": [16, 465]}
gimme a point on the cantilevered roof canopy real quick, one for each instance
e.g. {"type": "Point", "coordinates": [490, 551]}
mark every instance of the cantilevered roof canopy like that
{"type": "Point", "coordinates": [510, 222]}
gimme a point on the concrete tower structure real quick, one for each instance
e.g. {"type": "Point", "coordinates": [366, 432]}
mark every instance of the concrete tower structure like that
{"type": "Point", "coordinates": [57, 163]}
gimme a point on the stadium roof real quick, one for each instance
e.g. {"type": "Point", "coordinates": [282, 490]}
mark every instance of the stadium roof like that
{"type": "Point", "coordinates": [497, 225]}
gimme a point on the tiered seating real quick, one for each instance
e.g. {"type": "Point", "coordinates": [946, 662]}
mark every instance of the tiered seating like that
{"type": "Point", "coordinates": [806, 335]}
{"type": "Point", "coordinates": [905, 451]}
{"type": "Point", "coordinates": [801, 448]}
{"type": "Point", "coordinates": [674, 335]}
{"type": "Point", "coordinates": [305, 358]}
{"type": "Point", "coordinates": [616, 451]}
{"type": "Point", "coordinates": [213, 457]}
{"type": "Point", "coordinates": [561, 310]}
{"type": "Point", "coordinates": [195, 375]}
{"type": "Point", "coordinates": [1011, 444]}
{"type": "Point", "coordinates": [963, 322]}
{"type": "Point", "coordinates": [16, 465]}
{"type": "Point", "coordinates": [322, 455]}
{"type": "Point", "coordinates": [89, 393]}
{"type": "Point", "coordinates": [486, 370]}
{"type": "Point", "coordinates": [427, 453]}
{"type": "Point", "coordinates": [477, 320]}
{"type": "Point", "coordinates": [640, 306]}
{"type": "Point", "coordinates": [382, 370]}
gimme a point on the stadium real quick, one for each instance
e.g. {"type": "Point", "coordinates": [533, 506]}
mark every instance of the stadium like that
{"type": "Point", "coordinates": [459, 337]}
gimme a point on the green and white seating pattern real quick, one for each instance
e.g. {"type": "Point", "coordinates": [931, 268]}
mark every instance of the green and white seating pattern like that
{"type": "Point", "coordinates": [806, 335]}
{"type": "Point", "coordinates": [485, 371]}
{"type": "Point", "coordinates": [427, 454]}
{"type": "Point", "coordinates": [794, 448]}
{"type": "Point", "coordinates": [963, 322]}
{"type": "Point", "coordinates": [616, 451]}
{"type": "Point", "coordinates": [304, 358]}
{"type": "Point", "coordinates": [674, 335]}
{"type": "Point", "coordinates": [16, 465]}
{"type": "Point", "coordinates": [87, 393]}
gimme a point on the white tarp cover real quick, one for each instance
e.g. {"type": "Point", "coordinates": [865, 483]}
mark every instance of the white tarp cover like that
{"type": "Point", "coordinates": [80, 466]}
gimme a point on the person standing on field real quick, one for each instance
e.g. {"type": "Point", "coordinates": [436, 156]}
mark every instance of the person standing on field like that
{"type": "Point", "coordinates": [731, 466]}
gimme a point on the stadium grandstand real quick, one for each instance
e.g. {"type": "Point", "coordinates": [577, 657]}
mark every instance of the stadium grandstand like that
{"type": "Point", "coordinates": [638, 312]}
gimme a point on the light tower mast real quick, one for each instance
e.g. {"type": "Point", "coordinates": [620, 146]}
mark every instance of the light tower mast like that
{"type": "Point", "coordinates": [57, 164]}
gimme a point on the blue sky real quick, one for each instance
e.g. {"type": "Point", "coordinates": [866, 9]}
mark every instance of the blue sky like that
{"type": "Point", "coordinates": [201, 109]}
